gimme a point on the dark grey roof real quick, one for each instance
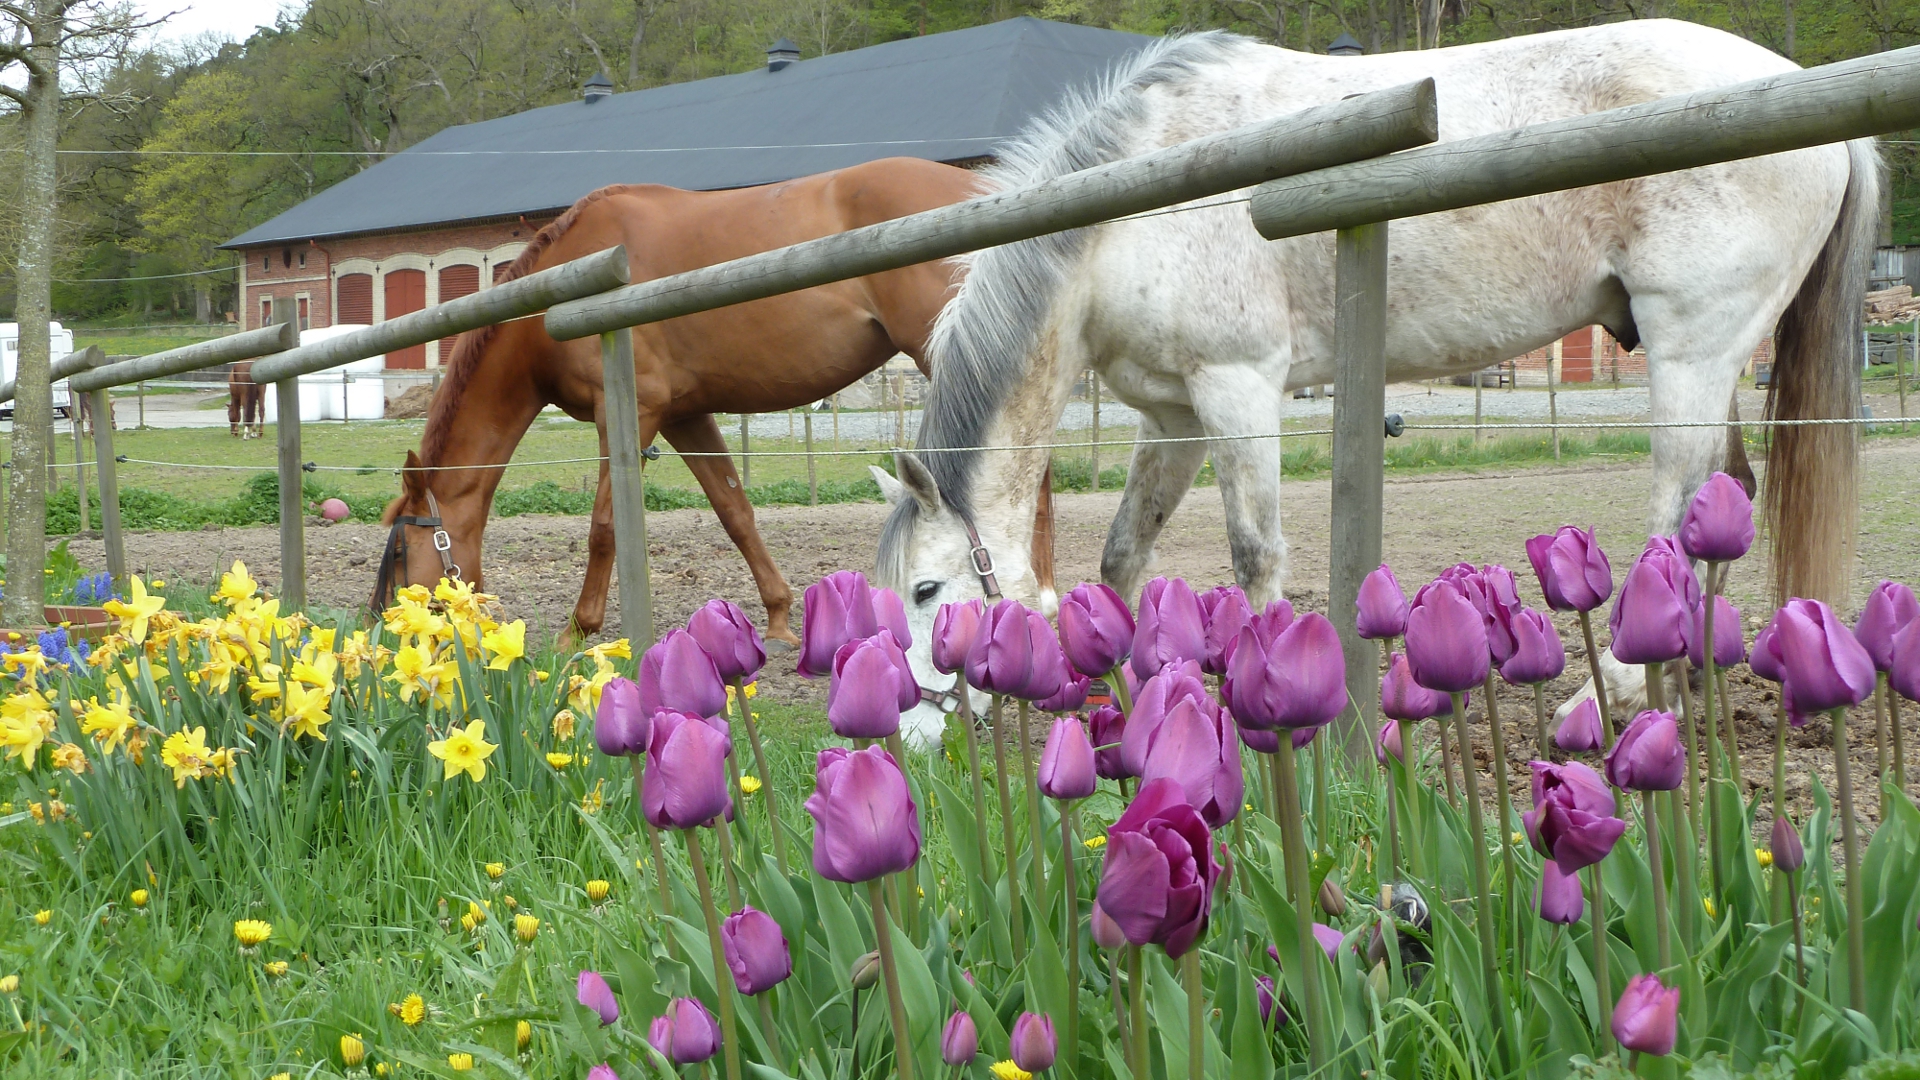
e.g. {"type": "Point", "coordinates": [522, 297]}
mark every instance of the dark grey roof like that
{"type": "Point", "coordinates": [944, 97]}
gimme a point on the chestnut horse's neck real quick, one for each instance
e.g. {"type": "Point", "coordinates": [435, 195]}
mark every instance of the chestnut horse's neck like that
{"type": "Point", "coordinates": [470, 436]}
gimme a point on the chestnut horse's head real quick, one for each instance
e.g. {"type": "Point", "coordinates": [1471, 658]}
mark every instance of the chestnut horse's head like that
{"type": "Point", "coordinates": [423, 545]}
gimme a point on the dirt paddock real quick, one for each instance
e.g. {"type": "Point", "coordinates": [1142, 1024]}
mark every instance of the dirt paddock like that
{"type": "Point", "coordinates": [535, 564]}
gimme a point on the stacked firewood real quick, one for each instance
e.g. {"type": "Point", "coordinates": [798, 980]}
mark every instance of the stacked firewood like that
{"type": "Point", "coordinates": [1896, 305]}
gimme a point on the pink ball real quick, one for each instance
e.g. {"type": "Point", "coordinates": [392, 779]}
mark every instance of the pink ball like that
{"type": "Point", "coordinates": [334, 510]}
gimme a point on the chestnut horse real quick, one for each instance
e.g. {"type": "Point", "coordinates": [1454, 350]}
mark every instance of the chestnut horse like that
{"type": "Point", "coordinates": [780, 353]}
{"type": "Point", "coordinates": [246, 402]}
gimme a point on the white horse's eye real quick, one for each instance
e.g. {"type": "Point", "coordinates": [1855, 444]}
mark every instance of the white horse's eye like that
{"type": "Point", "coordinates": [924, 592]}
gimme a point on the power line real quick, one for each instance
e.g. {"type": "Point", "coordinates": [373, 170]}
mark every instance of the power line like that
{"type": "Point", "coordinates": [149, 277]}
{"type": "Point", "coordinates": [526, 153]}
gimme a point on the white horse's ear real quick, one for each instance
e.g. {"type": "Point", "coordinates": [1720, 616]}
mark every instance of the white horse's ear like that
{"type": "Point", "coordinates": [890, 489]}
{"type": "Point", "coordinates": [919, 482]}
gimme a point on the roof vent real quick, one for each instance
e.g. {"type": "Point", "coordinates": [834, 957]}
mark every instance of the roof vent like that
{"type": "Point", "coordinates": [1344, 45]}
{"type": "Point", "coordinates": [781, 53]}
{"type": "Point", "coordinates": [597, 87]}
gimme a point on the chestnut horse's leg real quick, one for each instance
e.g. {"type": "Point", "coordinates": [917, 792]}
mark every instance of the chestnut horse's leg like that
{"type": "Point", "coordinates": [701, 435]}
{"type": "Point", "coordinates": [590, 610]}
{"type": "Point", "coordinates": [234, 393]}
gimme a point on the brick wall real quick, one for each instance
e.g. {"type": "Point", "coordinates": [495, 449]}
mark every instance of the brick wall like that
{"type": "Point", "coordinates": [307, 274]}
{"type": "Point", "coordinates": [1580, 363]}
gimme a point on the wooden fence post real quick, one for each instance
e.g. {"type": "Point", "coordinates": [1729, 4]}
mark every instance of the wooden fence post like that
{"type": "Point", "coordinates": [1093, 391]}
{"type": "Point", "coordinates": [622, 399]}
{"type": "Point", "coordinates": [746, 461]}
{"type": "Point", "coordinates": [79, 456]}
{"type": "Point", "coordinates": [813, 483]}
{"type": "Point", "coordinates": [1553, 389]}
{"type": "Point", "coordinates": [109, 488]}
{"type": "Point", "coordinates": [1359, 460]}
{"type": "Point", "coordinates": [293, 532]}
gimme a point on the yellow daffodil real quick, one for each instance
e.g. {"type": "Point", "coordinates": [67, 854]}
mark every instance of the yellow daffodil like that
{"type": "Point", "coordinates": [306, 710]}
{"type": "Point", "coordinates": [559, 761]}
{"type": "Point", "coordinates": [359, 651]}
{"type": "Point", "coordinates": [749, 784]}
{"type": "Point", "coordinates": [251, 933]}
{"type": "Point", "coordinates": [136, 612]}
{"type": "Point", "coordinates": [236, 585]}
{"type": "Point", "coordinates": [505, 645]}
{"type": "Point", "coordinates": [353, 1050]}
{"type": "Point", "coordinates": [416, 675]}
{"type": "Point", "coordinates": [186, 753]}
{"type": "Point", "coordinates": [563, 725]}
{"type": "Point", "coordinates": [316, 667]}
{"type": "Point", "coordinates": [70, 757]}
{"type": "Point", "coordinates": [25, 664]}
{"type": "Point", "coordinates": [495, 871]}
{"type": "Point", "coordinates": [412, 1010]}
{"type": "Point", "coordinates": [525, 927]}
{"type": "Point", "coordinates": [1007, 1070]}
{"type": "Point", "coordinates": [597, 890]}
{"type": "Point", "coordinates": [617, 649]}
{"type": "Point", "coordinates": [465, 751]}
{"type": "Point", "coordinates": [108, 724]}
{"type": "Point", "coordinates": [26, 720]}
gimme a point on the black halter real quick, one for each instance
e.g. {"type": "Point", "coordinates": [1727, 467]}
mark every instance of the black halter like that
{"type": "Point", "coordinates": [384, 585]}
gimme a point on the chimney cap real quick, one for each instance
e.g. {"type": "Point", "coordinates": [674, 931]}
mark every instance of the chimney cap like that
{"type": "Point", "coordinates": [1345, 45]}
{"type": "Point", "coordinates": [782, 53]}
{"type": "Point", "coordinates": [597, 87]}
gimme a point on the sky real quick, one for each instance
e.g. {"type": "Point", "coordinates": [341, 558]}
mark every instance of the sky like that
{"type": "Point", "coordinates": [232, 19]}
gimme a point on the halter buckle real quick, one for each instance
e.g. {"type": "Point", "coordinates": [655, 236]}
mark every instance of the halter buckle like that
{"type": "Point", "coordinates": [982, 560]}
{"type": "Point", "coordinates": [441, 541]}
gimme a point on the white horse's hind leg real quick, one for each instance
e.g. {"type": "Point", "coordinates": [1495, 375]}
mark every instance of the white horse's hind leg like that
{"type": "Point", "coordinates": [1157, 480]}
{"type": "Point", "coordinates": [1235, 403]}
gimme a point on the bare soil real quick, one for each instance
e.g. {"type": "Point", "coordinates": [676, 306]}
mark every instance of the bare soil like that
{"type": "Point", "coordinates": [535, 564]}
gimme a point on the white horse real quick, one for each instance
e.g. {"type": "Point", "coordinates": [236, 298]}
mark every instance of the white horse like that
{"type": "Point", "coordinates": [1203, 326]}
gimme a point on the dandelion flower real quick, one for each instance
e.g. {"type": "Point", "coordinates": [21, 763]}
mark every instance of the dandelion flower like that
{"type": "Point", "coordinates": [1007, 1070]}
{"type": "Point", "coordinates": [597, 890]}
{"type": "Point", "coordinates": [468, 922]}
{"type": "Point", "coordinates": [9, 984]}
{"type": "Point", "coordinates": [353, 1050]}
{"type": "Point", "coordinates": [139, 897]}
{"type": "Point", "coordinates": [525, 927]}
{"type": "Point", "coordinates": [413, 1009]}
{"type": "Point", "coordinates": [460, 1062]}
{"type": "Point", "coordinates": [522, 1036]}
{"type": "Point", "coordinates": [559, 761]}
{"type": "Point", "coordinates": [496, 871]}
{"type": "Point", "coordinates": [1094, 843]}
{"type": "Point", "coordinates": [465, 751]}
{"type": "Point", "coordinates": [275, 968]}
{"type": "Point", "coordinates": [478, 913]}
{"type": "Point", "coordinates": [1763, 856]}
{"type": "Point", "coordinates": [1707, 903]}
{"type": "Point", "coordinates": [42, 917]}
{"type": "Point", "coordinates": [250, 933]}
{"type": "Point", "coordinates": [749, 784]}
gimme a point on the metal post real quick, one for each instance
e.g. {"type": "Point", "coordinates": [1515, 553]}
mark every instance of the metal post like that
{"type": "Point", "coordinates": [836, 421]}
{"type": "Point", "coordinates": [789, 425]}
{"type": "Point", "coordinates": [143, 407]}
{"type": "Point", "coordinates": [1553, 390]}
{"type": "Point", "coordinates": [109, 488]}
{"type": "Point", "coordinates": [1093, 391]}
{"type": "Point", "coordinates": [746, 462]}
{"type": "Point", "coordinates": [622, 398]}
{"type": "Point", "coordinates": [900, 410]}
{"type": "Point", "coordinates": [813, 483]}
{"type": "Point", "coordinates": [293, 533]}
{"type": "Point", "coordinates": [1359, 458]}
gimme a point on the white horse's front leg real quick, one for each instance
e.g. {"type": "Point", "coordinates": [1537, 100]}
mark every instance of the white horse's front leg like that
{"type": "Point", "coordinates": [1157, 480]}
{"type": "Point", "coordinates": [1626, 691]}
{"type": "Point", "coordinates": [1237, 406]}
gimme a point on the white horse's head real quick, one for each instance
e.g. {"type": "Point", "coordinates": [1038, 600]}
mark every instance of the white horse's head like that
{"type": "Point", "coordinates": [929, 557]}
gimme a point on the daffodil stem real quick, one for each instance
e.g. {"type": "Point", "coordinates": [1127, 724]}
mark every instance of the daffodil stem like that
{"type": "Point", "coordinates": [1662, 930]}
{"type": "Point", "coordinates": [1070, 912]}
{"type": "Point", "coordinates": [1599, 681]}
{"type": "Point", "coordinates": [1497, 734]}
{"type": "Point", "coordinates": [1482, 885]}
{"type": "Point", "coordinates": [1196, 1014]}
{"type": "Point", "coordinates": [1293, 842]}
{"type": "Point", "coordinates": [653, 842]}
{"type": "Point", "coordinates": [722, 975]}
{"type": "Point", "coordinates": [1602, 985]}
{"type": "Point", "coordinates": [766, 775]}
{"type": "Point", "coordinates": [1006, 829]}
{"type": "Point", "coordinates": [979, 786]}
{"type": "Point", "coordinates": [1034, 823]}
{"type": "Point", "coordinates": [1850, 850]}
{"type": "Point", "coordinates": [896, 1007]}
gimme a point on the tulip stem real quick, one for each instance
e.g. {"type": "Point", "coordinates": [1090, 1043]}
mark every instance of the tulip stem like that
{"type": "Point", "coordinates": [1734, 771]}
{"type": "Point", "coordinates": [766, 1023]}
{"type": "Point", "coordinates": [1692, 733]}
{"type": "Point", "coordinates": [766, 775]}
{"type": "Point", "coordinates": [896, 1007]}
{"type": "Point", "coordinates": [1497, 731]}
{"type": "Point", "coordinates": [722, 975]}
{"type": "Point", "coordinates": [1393, 805]}
{"type": "Point", "coordinates": [653, 841]}
{"type": "Point", "coordinates": [1880, 726]}
{"type": "Point", "coordinates": [1602, 985]}
{"type": "Point", "coordinates": [1899, 747]}
{"type": "Point", "coordinates": [1661, 928]}
{"type": "Point", "coordinates": [979, 787]}
{"type": "Point", "coordinates": [1599, 682]}
{"type": "Point", "coordinates": [1137, 1017]}
{"type": "Point", "coordinates": [1482, 885]}
{"type": "Point", "coordinates": [1070, 894]}
{"type": "Point", "coordinates": [1446, 765]}
{"type": "Point", "coordinates": [1034, 822]}
{"type": "Point", "coordinates": [720, 828]}
{"type": "Point", "coordinates": [1293, 842]}
{"type": "Point", "coordinates": [1321, 839]}
{"type": "Point", "coordinates": [1545, 748]}
{"type": "Point", "coordinates": [907, 903]}
{"type": "Point", "coordinates": [1196, 1014]}
{"type": "Point", "coordinates": [1850, 850]}
{"type": "Point", "coordinates": [1120, 1017]}
{"type": "Point", "coordinates": [1006, 829]}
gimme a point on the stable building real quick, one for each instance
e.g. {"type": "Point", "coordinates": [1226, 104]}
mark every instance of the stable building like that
{"type": "Point", "coordinates": [443, 219]}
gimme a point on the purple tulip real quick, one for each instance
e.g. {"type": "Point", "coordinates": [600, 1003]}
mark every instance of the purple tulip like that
{"type": "Point", "coordinates": [676, 673]}
{"type": "Point", "coordinates": [620, 726]}
{"type": "Point", "coordinates": [1646, 1019]}
{"type": "Point", "coordinates": [1108, 727]}
{"type": "Point", "coordinates": [602, 1071]}
{"type": "Point", "coordinates": [685, 784]}
{"type": "Point", "coordinates": [592, 991]}
{"type": "Point", "coordinates": [1106, 933]}
{"type": "Point", "coordinates": [1071, 697]}
{"type": "Point", "coordinates": [1648, 755]}
{"type": "Point", "coordinates": [1380, 611]}
{"type": "Point", "coordinates": [1329, 939]}
{"type": "Point", "coordinates": [1277, 617]}
{"type": "Point", "coordinates": [1295, 679]}
{"type": "Point", "coordinates": [1403, 699]}
{"type": "Point", "coordinates": [1889, 608]}
{"type": "Point", "coordinates": [1034, 1045]}
{"type": "Point", "coordinates": [954, 628]}
{"type": "Point", "coordinates": [960, 1039]}
{"type": "Point", "coordinates": [1096, 629]}
{"type": "Point", "coordinates": [1580, 732]}
{"type": "Point", "coordinates": [1788, 854]}
{"type": "Point", "coordinates": [1152, 703]}
{"type": "Point", "coordinates": [1446, 639]}
{"type": "Point", "coordinates": [1496, 596]}
{"type": "Point", "coordinates": [1729, 641]}
{"type": "Point", "coordinates": [1170, 628]}
{"type": "Point", "coordinates": [1016, 653]}
{"type": "Point", "coordinates": [1572, 819]}
{"type": "Point", "coordinates": [1653, 616]}
{"type": "Point", "coordinates": [1538, 655]}
{"type": "Point", "coordinates": [1558, 899]}
{"type": "Point", "coordinates": [872, 685]}
{"type": "Point", "coordinates": [1200, 749]}
{"type": "Point", "coordinates": [1159, 872]}
{"type": "Point", "coordinates": [756, 951]}
{"type": "Point", "coordinates": [1225, 611]}
{"type": "Point", "coordinates": [1259, 741]}
{"type": "Point", "coordinates": [687, 1034]}
{"type": "Point", "coordinates": [1904, 675]}
{"type": "Point", "coordinates": [1826, 666]}
{"type": "Point", "coordinates": [730, 638]}
{"type": "Point", "coordinates": [1269, 1006]}
{"type": "Point", "coordinates": [864, 821]}
{"type": "Point", "coordinates": [842, 607]}
{"type": "Point", "coordinates": [1389, 742]}
{"type": "Point", "coordinates": [1764, 660]}
{"type": "Point", "coordinates": [1719, 522]}
{"type": "Point", "coordinates": [1066, 765]}
{"type": "Point", "coordinates": [1574, 573]}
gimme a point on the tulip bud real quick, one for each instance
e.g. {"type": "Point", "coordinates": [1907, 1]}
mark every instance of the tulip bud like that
{"type": "Point", "coordinates": [1329, 939]}
{"type": "Point", "coordinates": [1646, 1019]}
{"type": "Point", "coordinates": [1389, 742]}
{"type": "Point", "coordinates": [687, 1034]}
{"type": "Point", "coordinates": [1378, 982]}
{"type": "Point", "coordinates": [1904, 674]}
{"type": "Point", "coordinates": [1096, 629]}
{"type": "Point", "coordinates": [1197, 747]}
{"type": "Point", "coordinates": [730, 638]}
{"type": "Point", "coordinates": [1572, 819]}
{"type": "Point", "coordinates": [620, 727]}
{"type": "Point", "coordinates": [1224, 611]}
{"type": "Point", "coordinates": [676, 673]}
{"type": "Point", "coordinates": [1888, 610]}
{"type": "Point", "coordinates": [1108, 726]}
{"type": "Point", "coordinates": [1034, 1045]}
{"type": "Point", "coordinates": [1072, 696]}
{"type": "Point", "coordinates": [865, 823]}
{"type": "Point", "coordinates": [1294, 679]}
{"type": "Point", "coordinates": [960, 1039]}
{"type": "Point", "coordinates": [954, 628]}
{"type": "Point", "coordinates": [1160, 839]}
{"type": "Point", "coordinates": [1788, 854]}
{"type": "Point", "coordinates": [604, 1071]}
{"type": "Point", "coordinates": [1016, 653]}
{"type": "Point", "coordinates": [1729, 645]}
{"type": "Point", "coordinates": [1401, 698]}
{"type": "Point", "coordinates": [1446, 640]}
{"type": "Point", "coordinates": [872, 685]}
{"type": "Point", "coordinates": [1559, 899]}
{"type": "Point", "coordinates": [1269, 1007]}
{"type": "Point", "coordinates": [1332, 900]}
{"type": "Point", "coordinates": [1648, 755]}
{"type": "Point", "coordinates": [865, 971]}
{"type": "Point", "coordinates": [685, 784]}
{"type": "Point", "coordinates": [1066, 765]}
{"type": "Point", "coordinates": [1574, 573]}
{"type": "Point", "coordinates": [1581, 732]}
{"type": "Point", "coordinates": [756, 951]}
{"type": "Point", "coordinates": [1106, 933]}
{"type": "Point", "coordinates": [1380, 610]}
{"type": "Point", "coordinates": [1719, 522]}
{"type": "Point", "coordinates": [1538, 655]}
{"type": "Point", "coordinates": [1170, 627]}
{"type": "Point", "coordinates": [842, 607]}
{"type": "Point", "coordinates": [1653, 616]}
{"type": "Point", "coordinates": [593, 992]}
{"type": "Point", "coordinates": [1826, 666]}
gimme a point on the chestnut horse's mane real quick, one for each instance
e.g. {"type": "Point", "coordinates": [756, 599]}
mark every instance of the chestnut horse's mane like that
{"type": "Point", "coordinates": [472, 345]}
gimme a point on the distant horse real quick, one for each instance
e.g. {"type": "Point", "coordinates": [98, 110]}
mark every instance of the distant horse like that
{"type": "Point", "coordinates": [246, 402]}
{"type": "Point", "coordinates": [1200, 324]}
{"type": "Point", "coordinates": [780, 353]}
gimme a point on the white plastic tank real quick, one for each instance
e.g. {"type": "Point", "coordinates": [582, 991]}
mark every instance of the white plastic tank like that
{"type": "Point", "coordinates": [352, 391]}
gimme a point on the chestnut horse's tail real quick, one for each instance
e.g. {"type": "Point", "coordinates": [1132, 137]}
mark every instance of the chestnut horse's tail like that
{"type": "Point", "coordinates": [1812, 485]}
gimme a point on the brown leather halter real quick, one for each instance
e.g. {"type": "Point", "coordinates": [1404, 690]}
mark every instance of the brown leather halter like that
{"type": "Point", "coordinates": [953, 699]}
{"type": "Point", "coordinates": [395, 553]}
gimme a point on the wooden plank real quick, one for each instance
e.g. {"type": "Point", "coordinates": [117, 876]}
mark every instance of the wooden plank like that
{"type": "Point", "coordinates": [206, 354]}
{"type": "Point", "coordinates": [1359, 462]}
{"type": "Point", "coordinates": [109, 487]}
{"type": "Point", "coordinates": [293, 533]}
{"type": "Point", "coordinates": [1852, 99]}
{"type": "Point", "coordinates": [71, 364]}
{"type": "Point", "coordinates": [621, 395]}
{"type": "Point", "coordinates": [1361, 126]}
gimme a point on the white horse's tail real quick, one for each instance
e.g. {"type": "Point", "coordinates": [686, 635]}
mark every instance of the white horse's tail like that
{"type": "Point", "coordinates": [1812, 484]}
